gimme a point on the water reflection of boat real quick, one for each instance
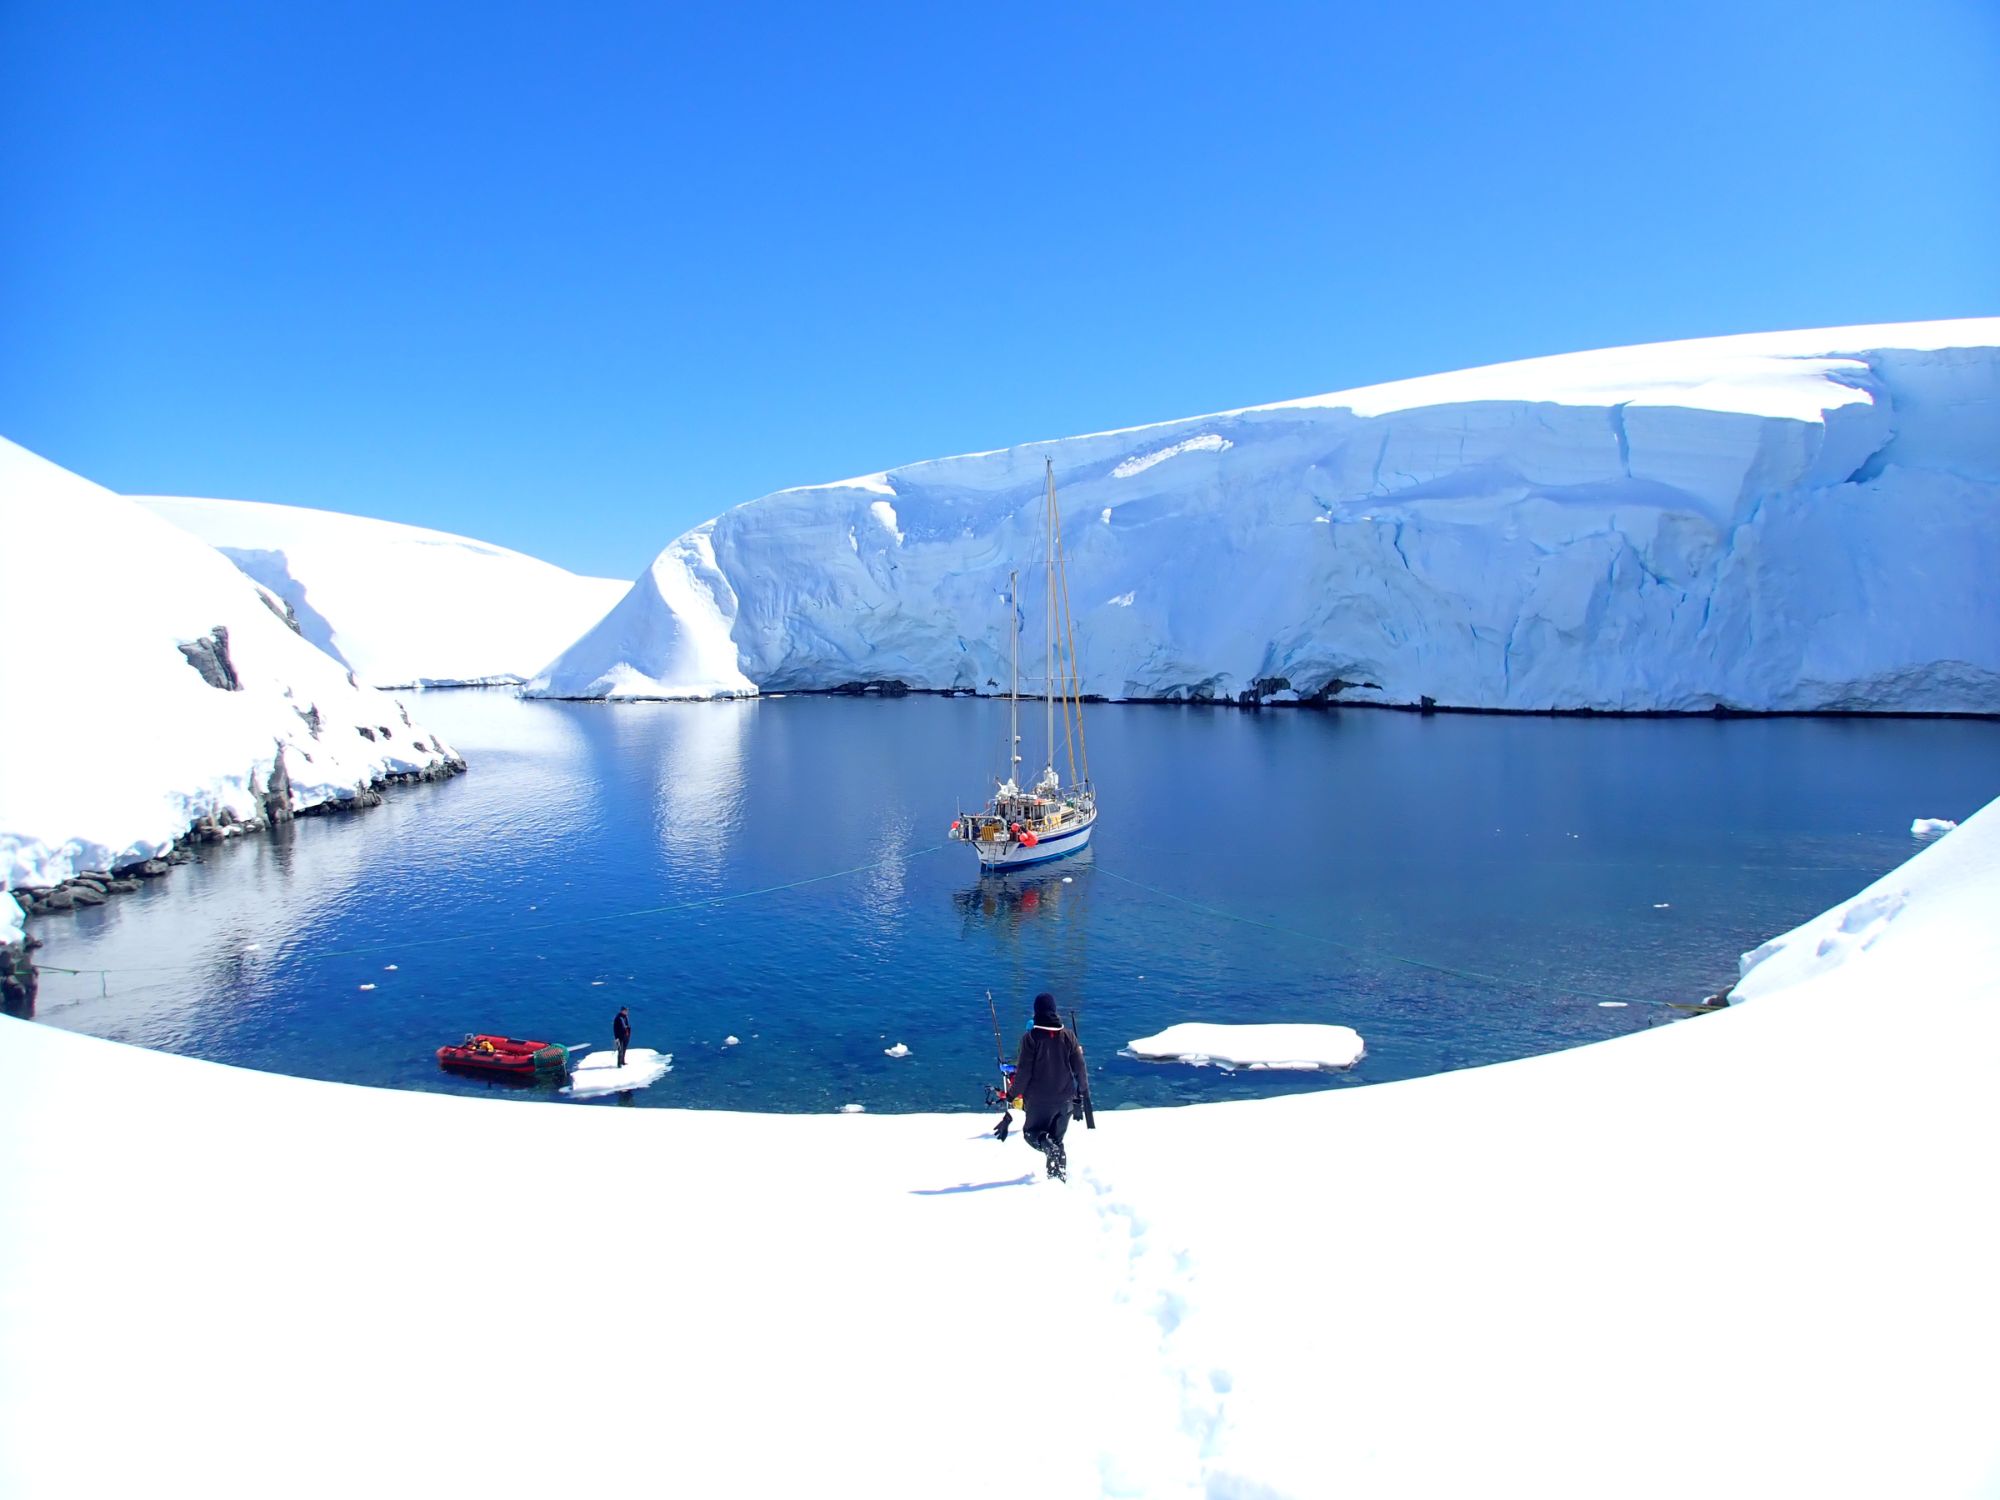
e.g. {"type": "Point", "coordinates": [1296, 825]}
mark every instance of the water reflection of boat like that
{"type": "Point", "coordinates": [1048, 820]}
{"type": "Point", "coordinates": [1020, 894]}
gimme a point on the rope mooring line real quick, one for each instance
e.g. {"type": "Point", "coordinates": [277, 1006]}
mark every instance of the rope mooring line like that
{"type": "Point", "coordinates": [1503, 980]}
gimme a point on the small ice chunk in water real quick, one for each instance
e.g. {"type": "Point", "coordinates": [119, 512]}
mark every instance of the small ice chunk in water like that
{"type": "Point", "coordinates": [1611, 1004]}
{"type": "Point", "coordinates": [1661, 905]}
{"type": "Point", "coordinates": [899, 1050]}
{"type": "Point", "coordinates": [388, 968]}
{"type": "Point", "coordinates": [1925, 827]}
{"type": "Point", "coordinates": [368, 986]}
{"type": "Point", "coordinates": [1068, 878]}
{"type": "Point", "coordinates": [599, 1073]}
{"type": "Point", "coordinates": [1280, 1045]}
{"type": "Point", "coordinates": [729, 1041]}
{"type": "Point", "coordinates": [851, 1109]}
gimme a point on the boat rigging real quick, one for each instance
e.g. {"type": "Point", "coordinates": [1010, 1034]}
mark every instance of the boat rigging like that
{"type": "Point", "coordinates": [1026, 826]}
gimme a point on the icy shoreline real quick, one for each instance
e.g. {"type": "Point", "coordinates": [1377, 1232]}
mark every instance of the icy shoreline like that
{"type": "Point", "coordinates": [1279, 1298]}
{"type": "Point", "coordinates": [904, 690]}
{"type": "Point", "coordinates": [180, 701]}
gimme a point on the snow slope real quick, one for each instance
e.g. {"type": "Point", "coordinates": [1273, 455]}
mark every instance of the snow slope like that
{"type": "Point", "coordinates": [1957, 876]}
{"type": "Point", "coordinates": [1769, 522]}
{"type": "Point", "coordinates": [667, 638]}
{"type": "Point", "coordinates": [401, 605]}
{"type": "Point", "coordinates": [1744, 1255]}
{"type": "Point", "coordinates": [116, 742]}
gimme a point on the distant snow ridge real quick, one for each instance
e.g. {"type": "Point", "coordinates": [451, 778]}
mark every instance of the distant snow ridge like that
{"type": "Point", "coordinates": [149, 684]}
{"type": "Point", "coordinates": [401, 605]}
{"type": "Point", "coordinates": [1798, 521]}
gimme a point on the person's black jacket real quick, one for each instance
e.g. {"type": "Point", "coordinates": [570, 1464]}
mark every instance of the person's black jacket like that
{"type": "Point", "coordinates": [1049, 1072]}
{"type": "Point", "coordinates": [621, 1027]}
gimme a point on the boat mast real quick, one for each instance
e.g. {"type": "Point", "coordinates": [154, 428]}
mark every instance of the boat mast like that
{"type": "Point", "coordinates": [1072, 677]}
{"type": "Point", "coordinates": [1013, 674]}
{"type": "Point", "coordinates": [1049, 652]}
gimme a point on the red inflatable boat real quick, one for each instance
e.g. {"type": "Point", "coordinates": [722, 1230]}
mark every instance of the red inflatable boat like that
{"type": "Point", "coordinates": [506, 1057]}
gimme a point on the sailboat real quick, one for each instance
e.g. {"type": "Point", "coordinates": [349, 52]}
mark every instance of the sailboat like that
{"type": "Point", "coordinates": [1026, 826]}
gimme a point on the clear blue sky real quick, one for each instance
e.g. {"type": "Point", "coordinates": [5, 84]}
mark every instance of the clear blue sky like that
{"type": "Point", "coordinates": [573, 278]}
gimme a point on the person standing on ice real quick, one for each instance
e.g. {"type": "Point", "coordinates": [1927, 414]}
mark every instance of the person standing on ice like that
{"type": "Point", "coordinates": [621, 1029]}
{"type": "Point", "coordinates": [1049, 1081]}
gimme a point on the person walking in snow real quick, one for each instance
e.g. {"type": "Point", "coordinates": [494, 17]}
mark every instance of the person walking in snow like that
{"type": "Point", "coordinates": [621, 1028]}
{"type": "Point", "coordinates": [1049, 1081]}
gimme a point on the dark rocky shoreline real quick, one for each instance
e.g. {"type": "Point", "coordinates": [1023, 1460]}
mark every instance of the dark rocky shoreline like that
{"type": "Point", "coordinates": [1261, 695]}
{"type": "Point", "coordinates": [18, 981]}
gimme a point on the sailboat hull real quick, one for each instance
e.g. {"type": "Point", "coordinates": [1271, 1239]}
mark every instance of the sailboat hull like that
{"type": "Point", "coordinates": [1013, 856]}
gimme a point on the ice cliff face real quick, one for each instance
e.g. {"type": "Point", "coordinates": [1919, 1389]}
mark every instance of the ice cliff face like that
{"type": "Point", "coordinates": [150, 687]}
{"type": "Point", "coordinates": [402, 605]}
{"type": "Point", "coordinates": [1770, 522]}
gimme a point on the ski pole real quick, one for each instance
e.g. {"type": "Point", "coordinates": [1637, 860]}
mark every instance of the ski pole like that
{"type": "Point", "coordinates": [999, 1052]}
{"type": "Point", "coordinates": [1091, 1115]}
{"type": "Point", "coordinates": [999, 1095]}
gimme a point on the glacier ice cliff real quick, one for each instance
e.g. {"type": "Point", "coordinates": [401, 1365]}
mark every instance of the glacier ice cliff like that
{"type": "Point", "coordinates": [1798, 521]}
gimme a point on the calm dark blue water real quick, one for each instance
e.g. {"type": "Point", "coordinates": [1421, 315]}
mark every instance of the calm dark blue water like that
{"type": "Point", "coordinates": [1460, 890]}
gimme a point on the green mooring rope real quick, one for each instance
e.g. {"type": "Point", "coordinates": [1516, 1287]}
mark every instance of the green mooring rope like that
{"type": "Point", "coordinates": [1503, 980]}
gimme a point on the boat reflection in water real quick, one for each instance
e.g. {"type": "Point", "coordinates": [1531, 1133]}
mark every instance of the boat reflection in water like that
{"type": "Point", "coordinates": [1010, 898]}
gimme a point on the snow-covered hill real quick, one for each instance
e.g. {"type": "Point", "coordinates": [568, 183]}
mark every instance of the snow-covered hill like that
{"type": "Point", "coordinates": [401, 605]}
{"type": "Point", "coordinates": [1766, 522]}
{"type": "Point", "coordinates": [148, 683]}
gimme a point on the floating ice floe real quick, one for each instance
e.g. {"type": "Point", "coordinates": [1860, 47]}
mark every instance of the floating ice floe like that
{"type": "Point", "coordinates": [389, 968]}
{"type": "Point", "coordinates": [1301, 1045]}
{"type": "Point", "coordinates": [899, 1050]}
{"type": "Point", "coordinates": [599, 1073]}
{"type": "Point", "coordinates": [1928, 827]}
{"type": "Point", "coordinates": [730, 1041]}
{"type": "Point", "coordinates": [368, 986]}
{"type": "Point", "coordinates": [1611, 1004]}
{"type": "Point", "coordinates": [852, 1109]}
{"type": "Point", "coordinates": [1661, 905]}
